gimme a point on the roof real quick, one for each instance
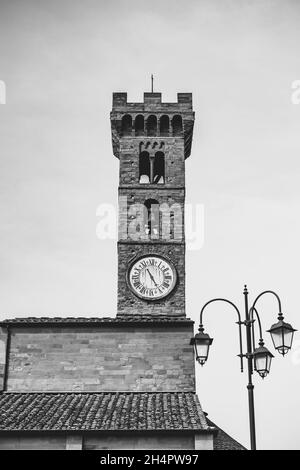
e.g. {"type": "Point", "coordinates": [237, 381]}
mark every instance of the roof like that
{"type": "Point", "coordinates": [136, 319]}
{"type": "Point", "coordinates": [107, 411]}
{"type": "Point", "coordinates": [223, 441]}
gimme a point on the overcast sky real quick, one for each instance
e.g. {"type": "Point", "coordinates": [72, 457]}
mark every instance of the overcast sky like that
{"type": "Point", "coordinates": [61, 60]}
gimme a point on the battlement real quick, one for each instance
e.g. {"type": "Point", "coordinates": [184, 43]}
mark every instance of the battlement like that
{"type": "Point", "coordinates": [152, 118]}
{"type": "Point", "coordinates": [153, 102]}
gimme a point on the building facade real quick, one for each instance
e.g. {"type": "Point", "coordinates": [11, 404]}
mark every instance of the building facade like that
{"type": "Point", "coordinates": [126, 382]}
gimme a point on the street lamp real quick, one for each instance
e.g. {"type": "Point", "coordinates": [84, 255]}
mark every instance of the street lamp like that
{"type": "Point", "coordinates": [282, 335]}
{"type": "Point", "coordinates": [201, 342]}
{"type": "Point", "coordinates": [258, 358]}
{"type": "Point", "coordinates": [262, 360]}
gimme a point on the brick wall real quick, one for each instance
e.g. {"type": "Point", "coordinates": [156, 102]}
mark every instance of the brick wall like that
{"type": "Point", "coordinates": [121, 358]}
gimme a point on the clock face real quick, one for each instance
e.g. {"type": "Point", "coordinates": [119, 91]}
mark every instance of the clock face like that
{"type": "Point", "coordinates": [152, 277]}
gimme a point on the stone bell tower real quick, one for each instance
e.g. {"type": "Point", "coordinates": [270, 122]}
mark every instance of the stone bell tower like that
{"type": "Point", "coordinates": [124, 382]}
{"type": "Point", "coordinates": [152, 139]}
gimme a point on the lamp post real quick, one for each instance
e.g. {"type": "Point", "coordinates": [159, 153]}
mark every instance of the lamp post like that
{"type": "Point", "coordinates": [258, 358]}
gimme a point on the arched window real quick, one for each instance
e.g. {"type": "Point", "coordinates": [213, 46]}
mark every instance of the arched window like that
{"type": "Point", "coordinates": [127, 124]}
{"type": "Point", "coordinates": [164, 125]}
{"type": "Point", "coordinates": [152, 125]}
{"type": "Point", "coordinates": [152, 218]}
{"type": "Point", "coordinates": [177, 125]}
{"type": "Point", "coordinates": [139, 125]}
{"type": "Point", "coordinates": [144, 168]}
{"type": "Point", "coordinates": [159, 168]}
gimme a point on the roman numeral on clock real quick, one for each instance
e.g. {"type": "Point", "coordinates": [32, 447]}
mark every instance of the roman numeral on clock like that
{"type": "Point", "coordinates": [152, 277]}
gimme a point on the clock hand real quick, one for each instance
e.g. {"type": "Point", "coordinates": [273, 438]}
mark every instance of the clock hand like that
{"type": "Point", "coordinates": [152, 278]}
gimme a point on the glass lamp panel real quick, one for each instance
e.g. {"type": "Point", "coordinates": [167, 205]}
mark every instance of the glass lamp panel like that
{"type": "Point", "coordinates": [260, 362]}
{"type": "Point", "coordinates": [288, 338]}
{"type": "Point", "coordinates": [277, 338]}
{"type": "Point", "coordinates": [268, 363]}
{"type": "Point", "coordinates": [202, 352]}
{"type": "Point", "coordinates": [282, 339]}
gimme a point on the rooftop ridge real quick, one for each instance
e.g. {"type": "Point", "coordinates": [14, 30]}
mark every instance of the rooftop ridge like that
{"type": "Point", "coordinates": [92, 320]}
{"type": "Point", "coordinates": [95, 392]}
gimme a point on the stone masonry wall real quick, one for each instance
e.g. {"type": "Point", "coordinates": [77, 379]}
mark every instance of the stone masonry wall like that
{"type": "Point", "coordinates": [168, 241]}
{"type": "Point", "coordinates": [122, 358]}
{"type": "Point", "coordinates": [152, 105]}
{"type": "Point", "coordinates": [173, 304]}
{"type": "Point", "coordinates": [174, 160]}
{"type": "Point", "coordinates": [171, 225]}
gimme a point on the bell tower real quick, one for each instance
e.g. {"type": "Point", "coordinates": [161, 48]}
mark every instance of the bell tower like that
{"type": "Point", "coordinates": [151, 139]}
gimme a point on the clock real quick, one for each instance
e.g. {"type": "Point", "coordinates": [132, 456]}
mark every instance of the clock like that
{"type": "Point", "coordinates": [152, 277]}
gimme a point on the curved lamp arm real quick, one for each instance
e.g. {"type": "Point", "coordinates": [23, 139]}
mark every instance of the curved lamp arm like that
{"type": "Point", "coordinates": [277, 297]}
{"type": "Point", "coordinates": [239, 322]}
{"type": "Point", "coordinates": [253, 309]}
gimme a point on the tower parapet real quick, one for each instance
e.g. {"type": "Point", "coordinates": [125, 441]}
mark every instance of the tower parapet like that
{"type": "Point", "coordinates": [172, 120]}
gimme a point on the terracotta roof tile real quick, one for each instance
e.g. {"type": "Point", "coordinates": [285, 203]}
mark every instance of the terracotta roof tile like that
{"type": "Point", "coordinates": [101, 411]}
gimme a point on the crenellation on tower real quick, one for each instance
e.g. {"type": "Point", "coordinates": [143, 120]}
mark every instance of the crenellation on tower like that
{"type": "Point", "coordinates": [152, 118]}
{"type": "Point", "coordinates": [184, 102]}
